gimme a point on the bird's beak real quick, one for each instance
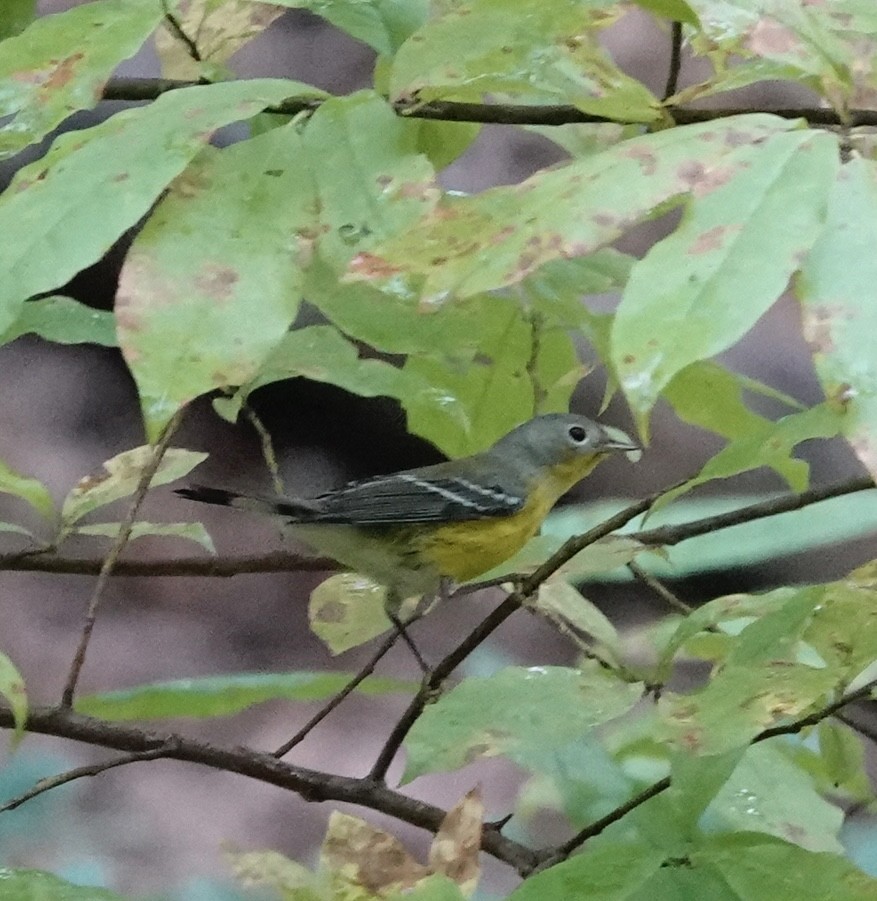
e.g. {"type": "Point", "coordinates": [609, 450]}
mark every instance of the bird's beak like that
{"type": "Point", "coordinates": [615, 439]}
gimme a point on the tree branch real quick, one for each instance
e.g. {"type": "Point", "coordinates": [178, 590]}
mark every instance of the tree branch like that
{"type": "Point", "coordinates": [125, 528]}
{"type": "Point", "coordinates": [311, 785]}
{"type": "Point", "coordinates": [140, 89]}
{"type": "Point", "coordinates": [434, 679]}
{"type": "Point", "coordinates": [675, 60]}
{"type": "Point", "coordinates": [673, 534]}
{"type": "Point", "coordinates": [550, 856]}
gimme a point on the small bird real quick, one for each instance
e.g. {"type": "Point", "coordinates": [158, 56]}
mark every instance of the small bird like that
{"type": "Point", "coordinates": [416, 529]}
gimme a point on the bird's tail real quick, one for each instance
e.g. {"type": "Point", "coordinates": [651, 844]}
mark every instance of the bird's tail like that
{"type": "Point", "coordinates": [294, 510]}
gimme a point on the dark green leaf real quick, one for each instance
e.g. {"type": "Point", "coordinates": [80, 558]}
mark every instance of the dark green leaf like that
{"type": "Point", "coordinates": [760, 868]}
{"type": "Point", "coordinates": [611, 872]}
{"type": "Point", "coordinates": [214, 696]}
{"type": "Point", "coordinates": [64, 321]}
{"type": "Point", "coordinates": [15, 16]}
{"type": "Point", "coordinates": [382, 24]}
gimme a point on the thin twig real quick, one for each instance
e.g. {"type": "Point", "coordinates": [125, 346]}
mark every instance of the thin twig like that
{"type": "Point", "coordinates": [673, 534]}
{"type": "Point", "coordinates": [334, 701]}
{"type": "Point", "coordinates": [141, 89]}
{"type": "Point", "coordinates": [551, 856]}
{"type": "Point", "coordinates": [119, 543]}
{"type": "Point", "coordinates": [282, 561]}
{"type": "Point", "coordinates": [675, 60]}
{"type": "Point", "coordinates": [267, 448]}
{"type": "Point", "coordinates": [311, 785]}
{"type": "Point", "coordinates": [176, 28]}
{"type": "Point", "coordinates": [659, 588]}
{"type": "Point", "coordinates": [81, 772]}
{"type": "Point", "coordinates": [433, 680]}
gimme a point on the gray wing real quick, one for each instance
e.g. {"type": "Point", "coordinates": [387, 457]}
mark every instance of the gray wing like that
{"type": "Point", "coordinates": [414, 496]}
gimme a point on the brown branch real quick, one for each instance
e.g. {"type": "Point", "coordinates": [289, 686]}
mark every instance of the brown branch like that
{"type": "Point", "coordinates": [336, 699]}
{"type": "Point", "coordinates": [80, 772]}
{"type": "Point", "coordinates": [225, 567]}
{"type": "Point", "coordinates": [283, 561]}
{"type": "Point", "coordinates": [673, 534]}
{"type": "Point", "coordinates": [659, 588]}
{"type": "Point", "coordinates": [311, 785]}
{"type": "Point", "coordinates": [550, 856]}
{"type": "Point", "coordinates": [434, 679]}
{"type": "Point", "coordinates": [141, 89]}
{"type": "Point", "coordinates": [675, 60]}
{"type": "Point", "coordinates": [125, 528]}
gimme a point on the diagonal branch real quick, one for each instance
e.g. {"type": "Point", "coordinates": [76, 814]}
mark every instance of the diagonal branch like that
{"type": "Point", "coordinates": [434, 679]}
{"type": "Point", "coordinates": [551, 856]}
{"type": "Point", "coordinates": [109, 563]}
{"type": "Point", "coordinates": [311, 785]}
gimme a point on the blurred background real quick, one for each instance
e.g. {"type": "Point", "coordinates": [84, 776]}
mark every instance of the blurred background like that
{"type": "Point", "coordinates": [159, 828]}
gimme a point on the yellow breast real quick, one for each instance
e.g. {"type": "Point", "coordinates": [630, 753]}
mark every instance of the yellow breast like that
{"type": "Point", "coordinates": [465, 550]}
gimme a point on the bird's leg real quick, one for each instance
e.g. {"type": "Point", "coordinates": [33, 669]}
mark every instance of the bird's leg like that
{"type": "Point", "coordinates": [392, 604]}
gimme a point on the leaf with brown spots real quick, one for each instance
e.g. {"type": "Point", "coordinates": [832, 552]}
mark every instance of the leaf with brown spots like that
{"type": "Point", "coordinates": [703, 287]}
{"type": "Point", "coordinates": [457, 844]}
{"type": "Point", "coordinates": [499, 237]}
{"type": "Point", "coordinates": [120, 477]}
{"type": "Point", "coordinates": [836, 290]}
{"type": "Point", "coordinates": [509, 714]}
{"type": "Point", "coordinates": [61, 62]}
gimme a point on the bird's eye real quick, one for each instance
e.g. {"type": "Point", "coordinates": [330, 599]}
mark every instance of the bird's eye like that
{"type": "Point", "coordinates": [578, 434]}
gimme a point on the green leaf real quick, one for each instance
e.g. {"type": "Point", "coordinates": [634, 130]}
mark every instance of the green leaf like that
{"type": "Point", "coordinates": [191, 531]}
{"type": "Point", "coordinates": [768, 444]}
{"type": "Point", "coordinates": [523, 366]}
{"type": "Point", "coordinates": [347, 610]}
{"type": "Point", "coordinates": [675, 10]}
{"type": "Point", "coordinates": [63, 212]}
{"type": "Point", "coordinates": [443, 142]}
{"type": "Point", "coordinates": [15, 16]}
{"type": "Point", "coordinates": [434, 888]}
{"type": "Point", "coordinates": [290, 879]}
{"type": "Point", "coordinates": [702, 288]}
{"type": "Point", "coordinates": [695, 780]}
{"type": "Point", "coordinates": [64, 321]}
{"type": "Point", "coordinates": [481, 47]}
{"type": "Point", "coordinates": [843, 755]}
{"type": "Point", "coordinates": [218, 27]}
{"type": "Point", "coordinates": [35, 885]}
{"type": "Point", "coordinates": [759, 867]}
{"type": "Point", "coordinates": [707, 395]}
{"type": "Point", "coordinates": [13, 690]}
{"type": "Point", "coordinates": [471, 244]}
{"type": "Point", "coordinates": [28, 489]}
{"type": "Point", "coordinates": [382, 24]}
{"type": "Point", "coordinates": [214, 696]}
{"type": "Point", "coordinates": [785, 41]}
{"type": "Point", "coordinates": [121, 476]}
{"type": "Point", "coordinates": [835, 288]}
{"type": "Point", "coordinates": [562, 602]}
{"type": "Point", "coordinates": [322, 354]}
{"type": "Point", "coordinates": [768, 793]}
{"type": "Point", "coordinates": [61, 62]}
{"type": "Point", "coordinates": [611, 872]}
{"type": "Point", "coordinates": [513, 712]}
{"type": "Point", "coordinates": [213, 282]}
